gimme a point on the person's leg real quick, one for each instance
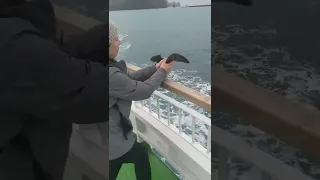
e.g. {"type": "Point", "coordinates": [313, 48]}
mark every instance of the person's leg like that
{"type": "Point", "coordinates": [114, 168]}
{"type": "Point", "coordinates": [139, 156]}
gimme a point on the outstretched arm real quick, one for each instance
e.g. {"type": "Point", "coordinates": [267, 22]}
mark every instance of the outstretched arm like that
{"type": "Point", "coordinates": [145, 73]}
{"type": "Point", "coordinates": [91, 45]}
{"type": "Point", "coordinates": [123, 87]}
{"type": "Point", "coordinates": [142, 74]}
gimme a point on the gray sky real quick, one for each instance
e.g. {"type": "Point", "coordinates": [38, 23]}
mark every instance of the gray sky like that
{"type": "Point", "coordinates": [192, 2]}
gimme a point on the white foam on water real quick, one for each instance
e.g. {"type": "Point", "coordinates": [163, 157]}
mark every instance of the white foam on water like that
{"type": "Point", "coordinates": [124, 46]}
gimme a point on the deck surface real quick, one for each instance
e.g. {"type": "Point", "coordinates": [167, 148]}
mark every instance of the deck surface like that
{"type": "Point", "coordinates": [159, 170]}
{"type": "Point", "coordinates": [77, 167]}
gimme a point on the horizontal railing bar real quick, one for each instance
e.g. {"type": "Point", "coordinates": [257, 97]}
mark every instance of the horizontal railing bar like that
{"type": "Point", "coordinates": [81, 22]}
{"type": "Point", "coordinates": [291, 122]}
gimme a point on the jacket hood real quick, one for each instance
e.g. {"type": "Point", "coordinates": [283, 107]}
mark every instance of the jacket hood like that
{"type": "Point", "coordinates": [11, 27]}
{"type": "Point", "coordinates": [39, 13]}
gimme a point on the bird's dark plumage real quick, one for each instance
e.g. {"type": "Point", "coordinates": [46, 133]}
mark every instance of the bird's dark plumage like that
{"type": "Point", "coordinates": [172, 57]}
{"type": "Point", "coordinates": [156, 58]}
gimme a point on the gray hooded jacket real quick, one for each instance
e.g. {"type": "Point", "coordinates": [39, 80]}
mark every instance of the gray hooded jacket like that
{"type": "Point", "coordinates": [124, 88]}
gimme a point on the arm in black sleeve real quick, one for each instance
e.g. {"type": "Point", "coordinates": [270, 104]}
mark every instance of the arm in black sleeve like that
{"type": "Point", "coordinates": [92, 44]}
{"type": "Point", "coordinates": [47, 84]}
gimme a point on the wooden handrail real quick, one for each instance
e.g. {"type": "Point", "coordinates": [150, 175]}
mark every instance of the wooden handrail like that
{"type": "Point", "coordinates": [75, 22]}
{"type": "Point", "coordinates": [289, 121]}
{"type": "Point", "coordinates": [192, 95]}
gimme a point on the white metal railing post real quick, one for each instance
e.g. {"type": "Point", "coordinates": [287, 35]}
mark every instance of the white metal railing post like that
{"type": "Point", "coordinates": [150, 105]}
{"type": "Point", "coordinates": [168, 109]}
{"type": "Point", "coordinates": [193, 128]}
{"type": "Point", "coordinates": [180, 121]}
{"type": "Point", "coordinates": [158, 108]}
{"type": "Point", "coordinates": [209, 140]}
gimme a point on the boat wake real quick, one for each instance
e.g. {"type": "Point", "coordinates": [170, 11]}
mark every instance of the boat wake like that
{"type": "Point", "coordinates": [124, 46]}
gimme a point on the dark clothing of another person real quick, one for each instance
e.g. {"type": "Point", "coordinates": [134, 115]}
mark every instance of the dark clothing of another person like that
{"type": "Point", "coordinates": [39, 13]}
{"type": "Point", "coordinates": [137, 155]}
{"type": "Point", "coordinates": [91, 45]}
{"type": "Point", "coordinates": [43, 91]}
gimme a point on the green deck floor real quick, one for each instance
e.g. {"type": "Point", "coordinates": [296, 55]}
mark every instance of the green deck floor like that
{"type": "Point", "coordinates": [159, 170]}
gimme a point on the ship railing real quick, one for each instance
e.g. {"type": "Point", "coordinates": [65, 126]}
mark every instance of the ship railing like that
{"type": "Point", "coordinates": [152, 106]}
{"type": "Point", "coordinates": [291, 122]}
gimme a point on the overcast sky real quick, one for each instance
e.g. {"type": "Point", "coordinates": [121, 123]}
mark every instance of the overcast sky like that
{"type": "Point", "coordinates": [192, 2]}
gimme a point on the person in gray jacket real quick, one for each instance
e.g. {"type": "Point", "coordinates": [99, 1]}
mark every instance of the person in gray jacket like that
{"type": "Point", "coordinates": [124, 88]}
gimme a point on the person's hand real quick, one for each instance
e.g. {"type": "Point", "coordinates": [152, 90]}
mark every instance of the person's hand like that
{"type": "Point", "coordinates": [167, 67]}
{"type": "Point", "coordinates": [159, 63]}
